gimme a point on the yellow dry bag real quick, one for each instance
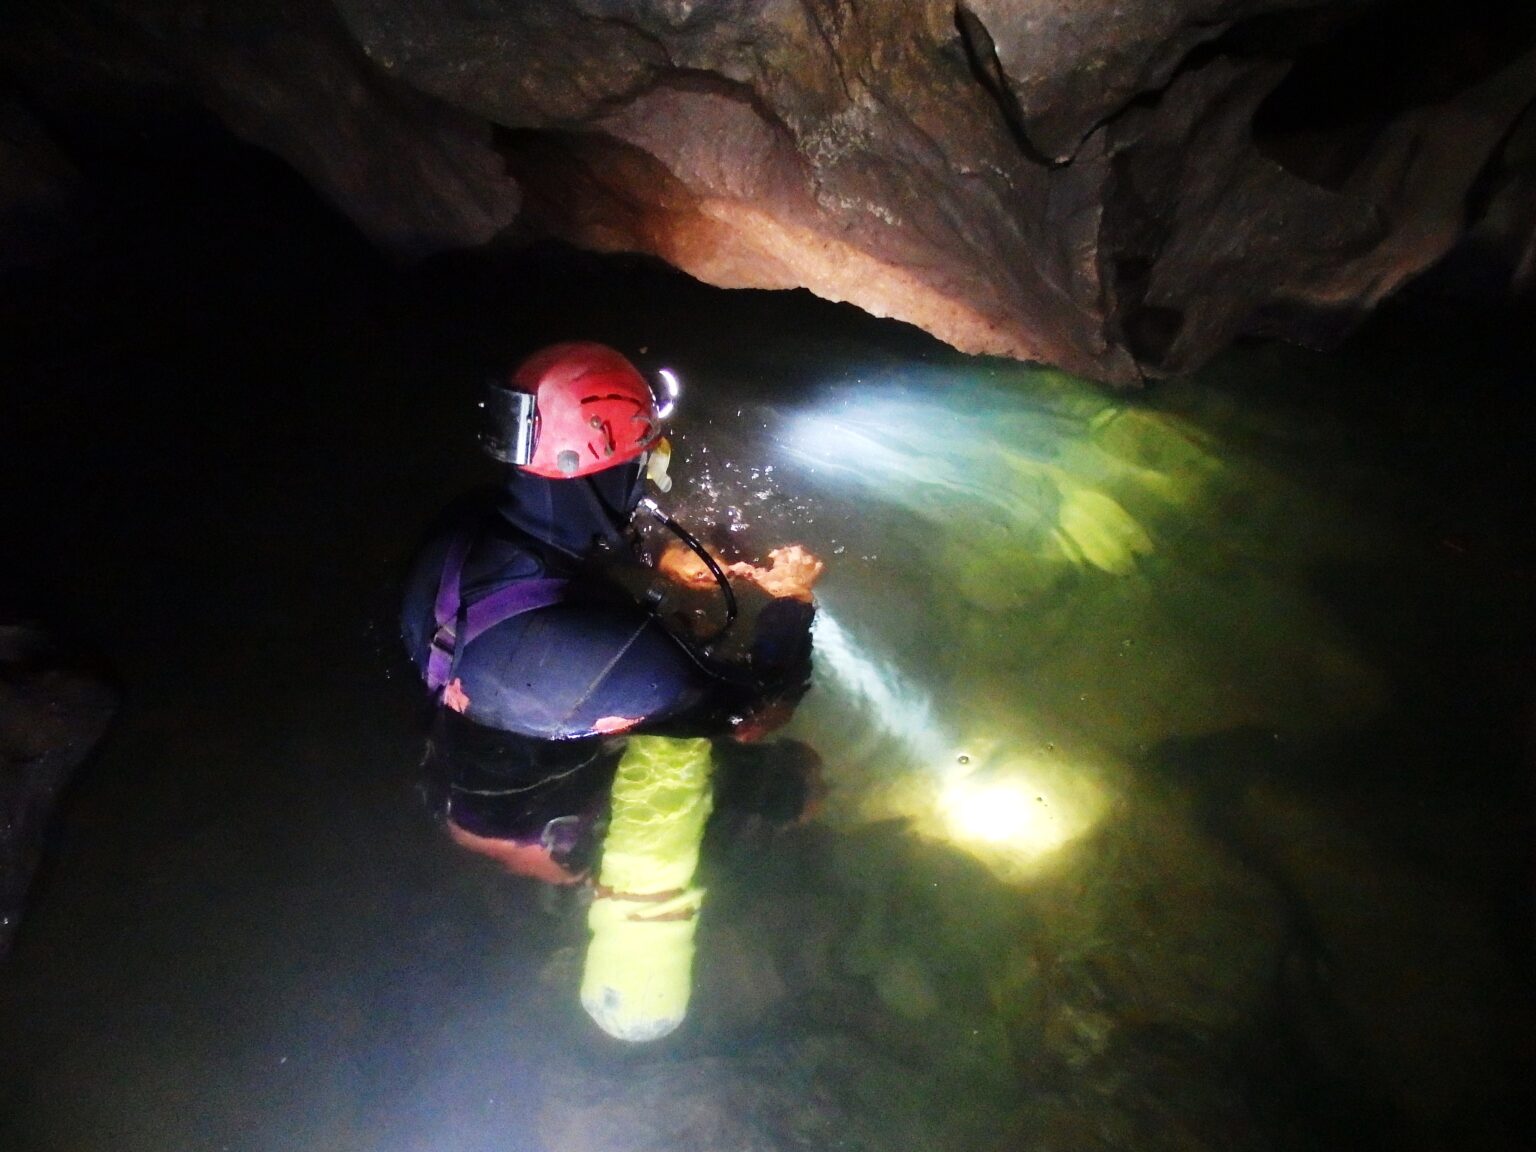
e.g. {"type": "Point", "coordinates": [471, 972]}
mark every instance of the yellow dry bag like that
{"type": "Point", "coordinates": [639, 968]}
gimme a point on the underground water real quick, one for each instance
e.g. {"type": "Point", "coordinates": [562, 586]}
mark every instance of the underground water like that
{"type": "Point", "coordinates": [1175, 744]}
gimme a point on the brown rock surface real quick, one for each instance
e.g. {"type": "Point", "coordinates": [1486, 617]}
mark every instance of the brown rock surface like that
{"type": "Point", "coordinates": [1117, 189]}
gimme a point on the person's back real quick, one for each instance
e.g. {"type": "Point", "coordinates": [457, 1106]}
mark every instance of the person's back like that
{"type": "Point", "coordinates": [577, 658]}
{"type": "Point", "coordinates": [531, 615]}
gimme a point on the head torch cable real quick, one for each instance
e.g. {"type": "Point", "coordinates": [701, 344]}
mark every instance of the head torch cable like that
{"type": "Point", "coordinates": [650, 506]}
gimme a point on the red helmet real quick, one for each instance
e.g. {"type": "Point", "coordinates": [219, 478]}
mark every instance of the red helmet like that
{"type": "Point", "coordinates": [571, 410]}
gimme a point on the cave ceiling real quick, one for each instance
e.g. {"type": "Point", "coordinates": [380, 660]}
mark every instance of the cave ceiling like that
{"type": "Point", "coordinates": [1117, 188]}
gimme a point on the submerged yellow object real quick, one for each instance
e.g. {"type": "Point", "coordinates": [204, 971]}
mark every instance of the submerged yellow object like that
{"type": "Point", "coordinates": [1093, 529]}
{"type": "Point", "coordinates": [639, 967]}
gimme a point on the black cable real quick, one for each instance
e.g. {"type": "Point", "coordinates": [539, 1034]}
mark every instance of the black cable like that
{"type": "Point", "coordinates": [703, 553]}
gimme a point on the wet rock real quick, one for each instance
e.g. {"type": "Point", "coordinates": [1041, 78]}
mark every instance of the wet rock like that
{"type": "Point", "coordinates": [905, 986]}
{"type": "Point", "coordinates": [43, 205]}
{"type": "Point", "coordinates": [1126, 989]}
{"type": "Point", "coordinates": [829, 1090]}
{"type": "Point", "coordinates": [1135, 998]}
{"type": "Point", "coordinates": [1060, 70]}
{"type": "Point", "coordinates": [872, 990]}
{"type": "Point", "coordinates": [1281, 247]}
{"type": "Point", "coordinates": [1117, 193]}
{"type": "Point", "coordinates": [51, 715]}
{"type": "Point", "coordinates": [1500, 246]}
{"type": "Point", "coordinates": [415, 175]}
{"type": "Point", "coordinates": [1400, 988]}
{"type": "Point", "coordinates": [737, 983]}
{"type": "Point", "coordinates": [1151, 1089]}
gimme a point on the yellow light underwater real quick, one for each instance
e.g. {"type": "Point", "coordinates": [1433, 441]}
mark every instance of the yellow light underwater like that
{"type": "Point", "coordinates": [1015, 816]}
{"type": "Point", "coordinates": [1003, 813]}
{"type": "Point", "coordinates": [1010, 808]}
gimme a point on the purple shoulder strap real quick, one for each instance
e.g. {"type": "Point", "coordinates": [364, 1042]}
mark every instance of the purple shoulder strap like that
{"type": "Point", "coordinates": [451, 634]}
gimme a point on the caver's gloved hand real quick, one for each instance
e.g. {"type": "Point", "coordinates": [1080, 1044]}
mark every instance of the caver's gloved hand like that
{"type": "Point", "coordinates": [767, 648]}
{"type": "Point", "coordinates": [791, 573]}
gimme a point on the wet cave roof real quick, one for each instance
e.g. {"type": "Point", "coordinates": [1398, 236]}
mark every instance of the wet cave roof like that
{"type": "Point", "coordinates": [1119, 190]}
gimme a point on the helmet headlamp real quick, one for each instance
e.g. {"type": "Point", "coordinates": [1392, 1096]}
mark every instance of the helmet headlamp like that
{"type": "Point", "coordinates": [671, 388]}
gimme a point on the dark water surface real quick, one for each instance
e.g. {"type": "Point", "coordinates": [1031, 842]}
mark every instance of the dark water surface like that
{"type": "Point", "coordinates": [1178, 747]}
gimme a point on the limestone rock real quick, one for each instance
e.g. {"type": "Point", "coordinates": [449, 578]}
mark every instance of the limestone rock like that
{"type": "Point", "coordinates": [415, 175]}
{"type": "Point", "coordinates": [1119, 190]}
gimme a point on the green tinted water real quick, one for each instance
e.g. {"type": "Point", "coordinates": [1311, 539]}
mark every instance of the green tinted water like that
{"type": "Point", "coordinates": [1174, 744]}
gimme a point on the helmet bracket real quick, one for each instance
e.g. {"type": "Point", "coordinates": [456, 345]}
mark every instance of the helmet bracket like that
{"type": "Point", "coordinates": [510, 418]}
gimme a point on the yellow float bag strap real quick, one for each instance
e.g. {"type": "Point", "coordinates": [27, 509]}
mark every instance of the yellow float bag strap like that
{"type": "Point", "coordinates": [639, 969]}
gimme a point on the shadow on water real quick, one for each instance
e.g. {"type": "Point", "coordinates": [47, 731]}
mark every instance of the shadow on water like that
{"type": "Point", "coordinates": [1176, 744]}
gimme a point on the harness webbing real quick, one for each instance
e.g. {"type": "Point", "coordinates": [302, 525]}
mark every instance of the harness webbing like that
{"type": "Point", "coordinates": [458, 623]}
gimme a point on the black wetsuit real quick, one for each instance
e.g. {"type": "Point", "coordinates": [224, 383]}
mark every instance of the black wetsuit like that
{"type": "Point", "coordinates": [542, 686]}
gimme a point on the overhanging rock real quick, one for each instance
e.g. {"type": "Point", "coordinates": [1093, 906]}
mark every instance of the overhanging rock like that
{"type": "Point", "coordinates": [1116, 189]}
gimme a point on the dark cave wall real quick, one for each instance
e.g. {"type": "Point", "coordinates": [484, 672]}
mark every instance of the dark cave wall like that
{"type": "Point", "coordinates": [1117, 189]}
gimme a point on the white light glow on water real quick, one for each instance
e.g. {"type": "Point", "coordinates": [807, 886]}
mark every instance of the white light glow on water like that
{"type": "Point", "coordinates": [1033, 473]}
{"type": "Point", "coordinates": [1009, 813]}
{"type": "Point", "coordinates": [1002, 813]}
{"type": "Point", "coordinates": [1014, 816]}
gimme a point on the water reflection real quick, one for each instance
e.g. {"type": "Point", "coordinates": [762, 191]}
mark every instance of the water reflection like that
{"type": "Point", "coordinates": [1077, 640]}
{"type": "Point", "coordinates": [1032, 583]}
